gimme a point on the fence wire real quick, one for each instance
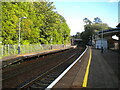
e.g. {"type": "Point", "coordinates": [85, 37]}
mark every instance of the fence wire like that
{"type": "Point", "coordinates": [7, 50]}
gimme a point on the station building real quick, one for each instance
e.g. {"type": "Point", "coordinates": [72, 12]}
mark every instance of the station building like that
{"type": "Point", "coordinates": [101, 43]}
{"type": "Point", "coordinates": [107, 41]}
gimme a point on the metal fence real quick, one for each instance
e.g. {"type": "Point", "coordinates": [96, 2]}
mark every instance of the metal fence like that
{"type": "Point", "coordinates": [7, 50]}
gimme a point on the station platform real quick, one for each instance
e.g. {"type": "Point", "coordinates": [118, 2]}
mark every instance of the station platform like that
{"type": "Point", "coordinates": [94, 70]}
{"type": "Point", "coordinates": [8, 60]}
{"type": "Point", "coordinates": [104, 70]}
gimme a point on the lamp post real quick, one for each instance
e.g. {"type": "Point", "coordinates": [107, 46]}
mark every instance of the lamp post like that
{"type": "Point", "coordinates": [20, 19]}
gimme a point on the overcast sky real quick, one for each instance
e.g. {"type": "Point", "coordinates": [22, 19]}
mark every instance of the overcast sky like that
{"type": "Point", "coordinates": [74, 11]}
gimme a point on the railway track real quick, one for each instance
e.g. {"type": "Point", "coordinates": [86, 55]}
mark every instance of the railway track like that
{"type": "Point", "coordinates": [46, 78]}
{"type": "Point", "coordinates": [43, 78]}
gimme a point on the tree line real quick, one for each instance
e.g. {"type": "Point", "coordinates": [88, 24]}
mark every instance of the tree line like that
{"type": "Point", "coordinates": [43, 25]}
{"type": "Point", "coordinates": [90, 29]}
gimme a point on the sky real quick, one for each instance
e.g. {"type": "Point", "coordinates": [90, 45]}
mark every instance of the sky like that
{"type": "Point", "coordinates": [74, 11]}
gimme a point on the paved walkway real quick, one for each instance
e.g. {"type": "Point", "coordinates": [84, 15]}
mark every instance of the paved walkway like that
{"type": "Point", "coordinates": [103, 70]}
{"type": "Point", "coordinates": [74, 77]}
{"type": "Point", "coordinates": [102, 73]}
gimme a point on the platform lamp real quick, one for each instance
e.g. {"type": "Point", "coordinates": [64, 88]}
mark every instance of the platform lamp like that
{"type": "Point", "coordinates": [20, 19]}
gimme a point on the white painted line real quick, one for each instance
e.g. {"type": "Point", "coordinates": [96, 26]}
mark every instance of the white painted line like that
{"type": "Point", "coordinates": [60, 76]}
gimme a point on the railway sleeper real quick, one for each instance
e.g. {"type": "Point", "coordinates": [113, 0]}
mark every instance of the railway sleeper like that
{"type": "Point", "coordinates": [35, 86]}
{"type": "Point", "coordinates": [49, 79]}
{"type": "Point", "coordinates": [51, 76]}
{"type": "Point", "coordinates": [54, 74]}
{"type": "Point", "coordinates": [43, 81]}
{"type": "Point", "coordinates": [40, 85]}
{"type": "Point", "coordinates": [32, 88]}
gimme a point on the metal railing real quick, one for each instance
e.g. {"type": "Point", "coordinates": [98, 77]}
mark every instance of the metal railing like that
{"type": "Point", "coordinates": [7, 50]}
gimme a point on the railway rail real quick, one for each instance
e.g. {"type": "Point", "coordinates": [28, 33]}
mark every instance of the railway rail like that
{"type": "Point", "coordinates": [39, 72]}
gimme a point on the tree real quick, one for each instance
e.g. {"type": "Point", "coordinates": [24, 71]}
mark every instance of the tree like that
{"type": "Point", "coordinates": [87, 21]}
{"type": "Point", "coordinates": [77, 36]}
{"type": "Point", "coordinates": [42, 25]}
{"type": "Point", "coordinates": [97, 20]}
{"type": "Point", "coordinates": [91, 29]}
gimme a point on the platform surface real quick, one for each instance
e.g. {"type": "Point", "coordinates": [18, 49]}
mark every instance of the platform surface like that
{"type": "Point", "coordinates": [103, 71]}
{"type": "Point", "coordinates": [74, 77]}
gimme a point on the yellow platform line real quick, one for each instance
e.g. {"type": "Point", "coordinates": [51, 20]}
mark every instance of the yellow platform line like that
{"type": "Point", "coordinates": [87, 71]}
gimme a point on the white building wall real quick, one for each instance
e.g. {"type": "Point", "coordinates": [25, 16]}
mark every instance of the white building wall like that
{"type": "Point", "coordinates": [99, 43]}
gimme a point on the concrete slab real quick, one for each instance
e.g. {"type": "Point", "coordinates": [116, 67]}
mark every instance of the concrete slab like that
{"type": "Point", "coordinates": [102, 74]}
{"type": "Point", "coordinates": [74, 77]}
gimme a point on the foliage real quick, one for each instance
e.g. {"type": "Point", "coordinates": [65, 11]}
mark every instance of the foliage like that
{"type": "Point", "coordinates": [87, 21]}
{"type": "Point", "coordinates": [43, 25]}
{"type": "Point", "coordinates": [77, 36]}
{"type": "Point", "coordinates": [91, 29]}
